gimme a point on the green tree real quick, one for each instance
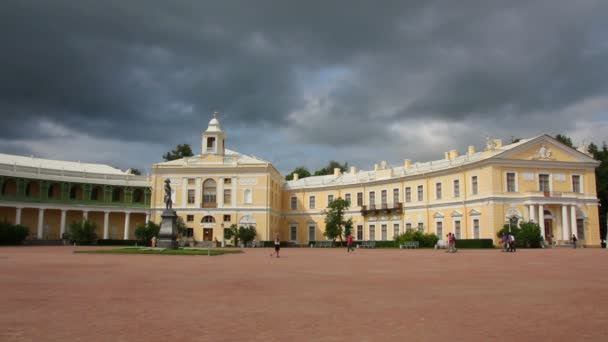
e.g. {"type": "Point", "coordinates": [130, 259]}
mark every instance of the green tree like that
{"type": "Point", "coordinates": [181, 227]}
{"type": "Point", "coordinates": [528, 235]}
{"type": "Point", "coordinates": [135, 172]}
{"type": "Point", "coordinates": [146, 232]}
{"type": "Point", "coordinates": [83, 233]}
{"type": "Point", "coordinates": [301, 171]}
{"type": "Point", "coordinates": [12, 234]}
{"type": "Point", "coordinates": [329, 169]}
{"type": "Point", "coordinates": [564, 140]}
{"type": "Point", "coordinates": [601, 181]}
{"type": "Point", "coordinates": [247, 234]}
{"type": "Point", "coordinates": [181, 151]}
{"type": "Point", "coordinates": [232, 233]}
{"type": "Point", "coordinates": [515, 140]}
{"type": "Point", "coordinates": [334, 219]}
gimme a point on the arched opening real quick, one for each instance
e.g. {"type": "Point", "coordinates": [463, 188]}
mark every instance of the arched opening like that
{"type": "Point", "coordinates": [97, 193]}
{"type": "Point", "coordinates": [9, 187]}
{"type": "Point", "coordinates": [548, 221]}
{"type": "Point", "coordinates": [581, 219]}
{"type": "Point", "coordinates": [118, 195]}
{"type": "Point", "coordinates": [138, 196]}
{"type": "Point", "coordinates": [76, 192]}
{"type": "Point", "coordinates": [208, 219]}
{"type": "Point", "coordinates": [209, 194]}
{"type": "Point", "coordinates": [54, 191]}
{"type": "Point", "coordinates": [32, 189]}
{"type": "Point", "coordinates": [246, 221]}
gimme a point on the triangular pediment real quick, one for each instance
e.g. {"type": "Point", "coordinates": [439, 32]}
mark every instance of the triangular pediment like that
{"type": "Point", "coordinates": [544, 148]}
{"type": "Point", "coordinates": [438, 215]}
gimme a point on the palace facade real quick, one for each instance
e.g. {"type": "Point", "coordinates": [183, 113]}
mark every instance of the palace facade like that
{"type": "Point", "coordinates": [472, 195]}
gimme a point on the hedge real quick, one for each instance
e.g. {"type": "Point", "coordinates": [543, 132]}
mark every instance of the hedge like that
{"type": "Point", "coordinates": [475, 243]}
{"type": "Point", "coordinates": [12, 234]}
{"type": "Point", "coordinates": [116, 242]}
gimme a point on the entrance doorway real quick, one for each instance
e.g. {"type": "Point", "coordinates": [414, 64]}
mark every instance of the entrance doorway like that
{"type": "Point", "coordinates": [207, 234]}
{"type": "Point", "coordinates": [549, 230]}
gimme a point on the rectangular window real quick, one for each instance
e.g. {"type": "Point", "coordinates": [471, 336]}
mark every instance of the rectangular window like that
{"type": "Point", "coordinates": [383, 197]}
{"type": "Point", "coordinates": [420, 193]}
{"type": "Point", "coordinates": [456, 188]}
{"type": "Point", "coordinates": [476, 229]}
{"type": "Point", "coordinates": [189, 218]}
{"type": "Point", "coordinates": [311, 233]}
{"type": "Point", "coordinates": [457, 229]}
{"type": "Point", "coordinates": [580, 229]}
{"type": "Point", "coordinates": [189, 232]}
{"type": "Point", "coordinates": [372, 199]}
{"type": "Point", "coordinates": [438, 191]}
{"type": "Point", "coordinates": [359, 199]}
{"type": "Point", "coordinates": [227, 196]}
{"type": "Point", "coordinates": [191, 196]}
{"type": "Point", "coordinates": [510, 182]}
{"type": "Point", "coordinates": [396, 196]}
{"type": "Point", "coordinates": [384, 232]}
{"type": "Point", "coordinates": [227, 218]}
{"type": "Point", "coordinates": [227, 180]}
{"type": "Point", "coordinates": [372, 232]}
{"type": "Point", "coordinates": [408, 226]}
{"type": "Point", "coordinates": [408, 194]}
{"type": "Point", "coordinates": [294, 203]}
{"type": "Point", "coordinates": [347, 198]}
{"type": "Point", "coordinates": [191, 181]}
{"type": "Point", "coordinates": [420, 226]}
{"type": "Point", "coordinates": [311, 202]}
{"type": "Point", "coordinates": [474, 185]}
{"type": "Point", "coordinates": [543, 183]}
{"type": "Point", "coordinates": [576, 183]}
{"type": "Point", "coordinates": [293, 233]}
{"type": "Point", "coordinates": [359, 232]}
{"type": "Point", "coordinates": [330, 198]}
{"type": "Point", "coordinates": [395, 230]}
{"type": "Point", "coordinates": [439, 229]}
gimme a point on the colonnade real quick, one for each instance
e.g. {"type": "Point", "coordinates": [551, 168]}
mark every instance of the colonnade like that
{"type": "Point", "coordinates": [568, 215]}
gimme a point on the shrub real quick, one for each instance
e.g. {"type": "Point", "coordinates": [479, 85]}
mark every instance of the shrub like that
{"type": "Point", "coordinates": [83, 233]}
{"type": "Point", "coordinates": [12, 234]}
{"type": "Point", "coordinates": [529, 235]}
{"type": "Point", "coordinates": [386, 244]}
{"type": "Point", "coordinates": [247, 234]}
{"type": "Point", "coordinates": [475, 243]}
{"type": "Point", "coordinates": [116, 242]}
{"type": "Point", "coordinates": [146, 232]}
{"type": "Point", "coordinates": [424, 239]}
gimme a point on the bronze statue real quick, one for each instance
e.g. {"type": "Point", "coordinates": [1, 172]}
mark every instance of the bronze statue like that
{"type": "Point", "coordinates": [167, 200]}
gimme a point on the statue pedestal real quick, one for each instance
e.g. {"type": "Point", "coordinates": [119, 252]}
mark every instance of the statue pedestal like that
{"type": "Point", "coordinates": [168, 231]}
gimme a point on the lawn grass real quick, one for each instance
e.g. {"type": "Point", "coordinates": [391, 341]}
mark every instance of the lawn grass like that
{"type": "Point", "coordinates": [138, 250]}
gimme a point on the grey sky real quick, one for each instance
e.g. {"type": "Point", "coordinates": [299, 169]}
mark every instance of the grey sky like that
{"type": "Point", "coordinates": [297, 82]}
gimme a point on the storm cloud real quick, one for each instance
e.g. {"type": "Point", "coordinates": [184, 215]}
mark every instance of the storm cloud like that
{"type": "Point", "coordinates": [121, 82]}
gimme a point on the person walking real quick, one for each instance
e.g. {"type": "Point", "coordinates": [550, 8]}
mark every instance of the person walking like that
{"type": "Point", "coordinates": [277, 246]}
{"type": "Point", "coordinates": [349, 244]}
{"type": "Point", "coordinates": [574, 239]}
{"type": "Point", "coordinates": [505, 242]}
{"type": "Point", "coordinates": [452, 242]}
{"type": "Point", "coordinates": [511, 243]}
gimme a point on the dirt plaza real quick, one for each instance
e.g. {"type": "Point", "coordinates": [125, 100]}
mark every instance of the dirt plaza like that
{"type": "Point", "coordinates": [52, 294]}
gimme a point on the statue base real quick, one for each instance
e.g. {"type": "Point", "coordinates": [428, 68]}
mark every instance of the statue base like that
{"type": "Point", "coordinates": [168, 230]}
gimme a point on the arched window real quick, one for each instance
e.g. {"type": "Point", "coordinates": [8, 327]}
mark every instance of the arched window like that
{"type": "Point", "coordinates": [117, 195]}
{"type": "Point", "coordinates": [209, 193]}
{"type": "Point", "coordinates": [76, 192]}
{"type": "Point", "coordinates": [513, 221]}
{"type": "Point", "coordinates": [54, 191]}
{"type": "Point", "coordinates": [9, 187]}
{"type": "Point", "coordinates": [138, 196]}
{"type": "Point", "coordinates": [208, 219]}
{"type": "Point", "coordinates": [97, 193]}
{"type": "Point", "coordinates": [32, 189]}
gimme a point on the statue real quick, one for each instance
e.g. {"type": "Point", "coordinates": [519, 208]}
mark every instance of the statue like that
{"type": "Point", "coordinates": [543, 152]}
{"type": "Point", "coordinates": [168, 201]}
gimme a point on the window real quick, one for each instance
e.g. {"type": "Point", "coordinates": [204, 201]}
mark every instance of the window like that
{"type": "Point", "coordinates": [227, 196]}
{"type": "Point", "coordinates": [396, 196]}
{"type": "Point", "coordinates": [294, 203]}
{"type": "Point", "coordinates": [576, 183]}
{"type": "Point", "coordinates": [372, 198]}
{"type": "Point", "coordinates": [330, 198]}
{"type": "Point", "coordinates": [248, 196]}
{"type": "Point", "coordinates": [347, 198]}
{"type": "Point", "coordinates": [383, 197]}
{"type": "Point", "coordinates": [210, 144]}
{"type": "Point", "coordinates": [359, 232]}
{"type": "Point", "coordinates": [311, 233]}
{"type": "Point", "coordinates": [474, 185]}
{"type": "Point", "coordinates": [408, 194]}
{"type": "Point", "coordinates": [420, 226]}
{"type": "Point", "coordinates": [208, 219]}
{"type": "Point", "coordinates": [189, 232]}
{"type": "Point", "coordinates": [395, 230]}
{"type": "Point", "coordinates": [408, 226]}
{"type": "Point", "coordinates": [117, 195]}
{"type": "Point", "coordinates": [372, 232]}
{"type": "Point", "coordinates": [209, 193]}
{"type": "Point", "coordinates": [384, 232]}
{"type": "Point", "coordinates": [359, 199]}
{"type": "Point", "coordinates": [438, 191]}
{"type": "Point", "coordinates": [227, 180]}
{"type": "Point", "coordinates": [543, 182]}
{"type": "Point", "coordinates": [191, 196]}
{"type": "Point", "coordinates": [476, 229]}
{"type": "Point", "coordinates": [439, 229]}
{"type": "Point", "coordinates": [189, 218]}
{"type": "Point", "coordinates": [311, 202]}
{"type": "Point", "coordinates": [420, 193]}
{"type": "Point", "coordinates": [227, 218]}
{"type": "Point", "coordinates": [138, 196]}
{"type": "Point", "coordinates": [456, 188]}
{"type": "Point", "coordinates": [510, 182]}
{"type": "Point", "coordinates": [580, 229]}
{"type": "Point", "coordinates": [457, 229]}
{"type": "Point", "coordinates": [293, 233]}
{"type": "Point", "coordinates": [94, 193]}
{"type": "Point", "coordinates": [191, 181]}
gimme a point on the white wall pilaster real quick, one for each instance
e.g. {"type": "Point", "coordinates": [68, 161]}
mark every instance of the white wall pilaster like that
{"type": "Point", "coordinates": [184, 192]}
{"type": "Point", "coordinates": [198, 199]}
{"type": "Point", "coordinates": [127, 224]}
{"type": "Point", "coordinates": [85, 215]}
{"type": "Point", "coordinates": [62, 223]}
{"type": "Point", "coordinates": [573, 221]}
{"type": "Point", "coordinates": [532, 214]}
{"type": "Point", "coordinates": [40, 223]}
{"type": "Point", "coordinates": [147, 217]}
{"type": "Point", "coordinates": [220, 193]}
{"type": "Point", "coordinates": [106, 224]}
{"type": "Point", "coordinates": [565, 229]}
{"type": "Point", "coordinates": [541, 220]}
{"type": "Point", "coordinates": [18, 215]}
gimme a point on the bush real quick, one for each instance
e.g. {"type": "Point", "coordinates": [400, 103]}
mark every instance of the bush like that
{"type": "Point", "coordinates": [475, 243]}
{"type": "Point", "coordinates": [12, 234]}
{"type": "Point", "coordinates": [527, 234]}
{"type": "Point", "coordinates": [247, 234]}
{"type": "Point", "coordinates": [424, 239]}
{"type": "Point", "coordinates": [83, 233]}
{"type": "Point", "coordinates": [386, 244]}
{"type": "Point", "coordinates": [146, 232]}
{"type": "Point", "coordinates": [115, 242]}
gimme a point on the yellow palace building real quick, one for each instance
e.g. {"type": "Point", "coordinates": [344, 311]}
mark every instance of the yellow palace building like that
{"type": "Point", "coordinates": [471, 195]}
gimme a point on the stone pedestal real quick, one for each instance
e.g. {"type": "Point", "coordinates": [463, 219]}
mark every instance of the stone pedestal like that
{"type": "Point", "coordinates": [168, 230]}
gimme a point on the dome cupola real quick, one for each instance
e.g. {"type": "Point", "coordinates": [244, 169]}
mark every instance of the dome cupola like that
{"type": "Point", "coordinates": [213, 138]}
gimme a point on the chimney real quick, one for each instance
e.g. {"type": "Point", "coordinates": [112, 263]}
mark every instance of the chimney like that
{"type": "Point", "coordinates": [447, 155]}
{"type": "Point", "coordinates": [376, 167]}
{"type": "Point", "coordinates": [471, 150]}
{"type": "Point", "coordinates": [337, 171]}
{"type": "Point", "coordinates": [497, 143]}
{"type": "Point", "coordinates": [353, 170]}
{"type": "Point", "coordinates": [296, 176]}
{"type": "Point", "coordinates": [407, 164]}
{"type": "Point", "coordinates": [453, 154]}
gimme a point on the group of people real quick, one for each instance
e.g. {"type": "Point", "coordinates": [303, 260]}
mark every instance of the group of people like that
{"type": "Point", "coordinates": [451, 243]}
{"type": "Point", "coordinates": [508, 242]}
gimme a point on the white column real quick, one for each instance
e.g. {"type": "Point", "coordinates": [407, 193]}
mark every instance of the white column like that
{"type": "Point", "coordinates": [541, 220]}
{"type": "Point", "coordinates": [147, 217]}
{"type": "Point", "coordinates": [573, 221]}
{"type": "Point", "coordinates": [85, 215]}
{"type": "Point", "coordinates": [106, 224]}
{"type": "Point", "coordinates": [220, 193]}
{"type": "Point", "coordinates": [62, 223]}
{"type": "Point", "coordinates": [184, 192]}
{"type": "Point", "coordinates": [127, 224]}
{"type": "Point", "coordinates": [18, 215]}
{"type": "Point", "coordinates": [532, 213]}
{"type": "Point", "coordinates": [565, 229]}
{"type": "Point", "coordinates": [198, 193]}
{"type": "Point", "coordinates": [234, 195]}
{"type": "Point", "coordinates": [40, 222]}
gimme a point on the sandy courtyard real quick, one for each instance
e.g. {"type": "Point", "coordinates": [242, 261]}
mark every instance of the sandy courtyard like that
{"type": "Point", "coordinates": [52, 294]}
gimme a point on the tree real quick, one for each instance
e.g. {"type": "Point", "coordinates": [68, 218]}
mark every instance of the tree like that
{"type": "Point", "coordinates": [564, 140]}
{"type": "Point", "coordinates": [334, 219]}
{"type": "Point", "coordinates": [181, 227]}
{"type": "Point", "coordinates": [232, 233]}
{"type": "Point", "coordinates": [146, 232]}
{"type": "Point", "coordinates": [135, 172]}
{"type": "Point", "coordinates": [12, 234]}
{"type": "Point", "coordinates": [82, 233]}
{"type": "Point", "coordinates": [301, 171]}
{"type": "Point", "coordinates": [601, 181]}
{"type": "Point", "coordinates": [181, 151]}
{"type": "Point", "coordinates": [329, 169]}
{"type": "Point", "coordinates": [515, 140]}
{"type": "Point", "coordinates": [529, 235]}
{"type": "Point", "coordinates": [247, 234]}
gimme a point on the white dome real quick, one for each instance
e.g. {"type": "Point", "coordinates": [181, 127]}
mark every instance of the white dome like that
{"type": "Point", "coordinates": [214, 125]}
